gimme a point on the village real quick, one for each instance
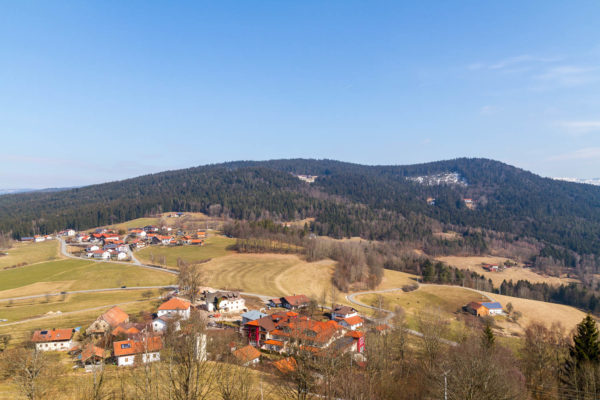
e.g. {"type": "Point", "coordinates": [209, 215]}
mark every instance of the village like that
{"type": "Point", "coordinates": [267, 332]}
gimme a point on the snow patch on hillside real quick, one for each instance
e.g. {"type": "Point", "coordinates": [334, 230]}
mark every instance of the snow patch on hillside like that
{"type": "Point", "coordinates": [444, 178]}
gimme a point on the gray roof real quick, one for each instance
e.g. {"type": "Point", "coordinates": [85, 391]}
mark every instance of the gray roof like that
{"type": "Point", "coordinates": [253, 315]}
{"type": "Point", "coordinates": [210, 297]}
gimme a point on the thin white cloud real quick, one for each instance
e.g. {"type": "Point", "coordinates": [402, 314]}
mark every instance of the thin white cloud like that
{"type": "Point", "coordinates": [568, 76]}
{"type": "Point", "coordinates": [577, 128]}
{"type": "Point", "coordinates": [581, 154]}
{"type": "Point", "coordinates": [520, 61]}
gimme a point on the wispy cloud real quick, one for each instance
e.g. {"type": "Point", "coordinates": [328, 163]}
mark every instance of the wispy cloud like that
{"type": "Point", "coordinates": [581, 154]}
{"type": "Point", "coordinates": [578, 128]}
{"type": "Point", "coordinates": [568, 75]}
{"type": "Point", "coordinates": [512, 62]}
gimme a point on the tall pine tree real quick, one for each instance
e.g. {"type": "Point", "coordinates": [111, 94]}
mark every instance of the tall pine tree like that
{"type": "Point", "coordinates": [581, 372]}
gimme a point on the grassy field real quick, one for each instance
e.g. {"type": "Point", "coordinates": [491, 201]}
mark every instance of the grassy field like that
{"type": "Point", "coordinates": [73, 274]}
{"type": "Point", "coordinates": [22, 332]}
{"type": "Point", "coordinates": [514, 273]}
{"type": "Point", "coordinates": [23, 309]}
{"type": "Point", "coordinates": [214, 246]}
{"type": "Point", "coordinates": [30, 253]}
{"type": "Point", "coordinates": [539, 311]}
{"type": "Point", "coordinates": [134, 223]}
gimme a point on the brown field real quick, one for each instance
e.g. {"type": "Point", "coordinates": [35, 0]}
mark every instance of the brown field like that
{"type": "Point", "coordinates": [539, 311]}
{"type": "Point", "coordinates": [30, 253]}
{"type": "Point", "coordinates": [514, 273]}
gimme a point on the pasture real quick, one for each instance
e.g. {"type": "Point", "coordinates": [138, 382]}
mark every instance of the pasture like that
{"type": "Point", "coordinates": [71, 274]}
{"type": "Point", "coordinates": [214, 246]}
{"type": "Point", "coordinates": [30, 253]}
{"type": "Point", "coordinates": [514, 273]}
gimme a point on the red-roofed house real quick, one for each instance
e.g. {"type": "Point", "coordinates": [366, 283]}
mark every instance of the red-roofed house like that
{"type": "Point", "coordinates": [352, 323]}
{"type": "Point", "coordinates": [247, 355]}
{"type": "Point", "coordinates": [175, 307]}
{"type": "Point", "coordinates": [53, 339]}
{"type": "Point", "coordinates": [295, 302]}
{"type": "Point", "coordinates": [146, 350]}
{"type": "Point", "coordinates": [108, 321]}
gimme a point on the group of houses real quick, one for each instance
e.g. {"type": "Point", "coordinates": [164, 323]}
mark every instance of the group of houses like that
{"type": "Point", "coordinates": [131, 342]}
{"type": "Point", "coordinates": [113, 337]}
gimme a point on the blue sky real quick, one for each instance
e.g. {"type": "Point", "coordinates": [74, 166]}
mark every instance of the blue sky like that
{"type": "Point", "coordinates": [98, 91]}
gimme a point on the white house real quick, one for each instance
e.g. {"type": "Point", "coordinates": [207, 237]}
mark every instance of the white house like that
{"type": "Point", "coordinates": [102, 254]}
{"type": "Point", "coordinates": [175, 307]}
{"type": "Point", "coordinates": [225, 302]}
{"type": "Point", "coordinates": [145, 350]}
{"type": "Point", "coordinates": [494, 308]}
{"type": "Point", "coordinates": [340, 312]}
{"type": "Point", "coordinates": [351, 323]}
{"type": "Point", "coordinates": [53, 339]}
{"type": "Point", "coordinates": [38, 239]}
{"type": "Point", "coordinates": [91, 248]}
{"type": "Point", "coordinates": [122, 256]}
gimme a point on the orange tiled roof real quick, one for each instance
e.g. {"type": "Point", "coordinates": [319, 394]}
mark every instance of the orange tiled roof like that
{"type": "Point", "coordinates": [353, 320]}
{"type": "Point", "coordinates": [91, 350]}
{"type": "Point", "coordinates": [52, 335]}
{"type": "Point", "coordinates": [355, 334]}
{"type": "Point", "coordinates": [274, 342]}
{"type": "Point", "coordinates": [246, 354]}
{"type": "Point", "coordinates": [131, 347]}
{"type": "Point", "coordinates": [115, 316]}
{"type": "Point", "coordinates": [175, 304]}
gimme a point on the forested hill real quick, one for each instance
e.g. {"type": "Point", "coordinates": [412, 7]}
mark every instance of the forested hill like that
{"type": "Point", "coordinates": [377, 202]}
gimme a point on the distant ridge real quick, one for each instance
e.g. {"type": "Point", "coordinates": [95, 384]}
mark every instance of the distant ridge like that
{"type": "Point", "coordinates": [377, 202]}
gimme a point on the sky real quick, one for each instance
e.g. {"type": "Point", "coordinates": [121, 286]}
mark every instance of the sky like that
{"type": "Point", "coordinates": [104, 90]}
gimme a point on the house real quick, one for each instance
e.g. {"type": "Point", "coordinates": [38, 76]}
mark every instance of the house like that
{"type": "Point", "coordinates": [108, 321]}
{"type": "Point", "coordinates": [145, 350]}
{"type": "Point", "coordinates": [481, 309]}
{"type": "Point", "coordinates": [53, 339]}
{"type": "Point", "coordinates": [225, 302]}
{"type": "Point", "coordinates": [126, 329]}
{"type": "Point", "coordinates": [175, 307]}
{"type": "Point", "coordinates": [251, 316]}
{"type": "Point", "coordinates": [160, 239]}
{"type": "Point", "coordinates": [196, 242]}
{"type": "Point", "coordinates": [358, 339]}
{"type": "Point", "coordinates": [160, 324]}
{"type": "Point", "coordinates": [67, 232]}
{"type": "Point", "coordinates": [278, 330]}
{"type": "Point", "coordinates": [491, 267]}
{"type": "Point", "coordinates": [351, 323]}
{"type": "Point", "coordinates": [137, 232]}
{"type": "Point", "coordinates": [101, 254]}
{"type": "Point", "coordinates": [382, 329]}
{"type": "Point", "coordinates": [150, 228]}
{"type": "Point", "coordinates": [340, 312]}
{"type": "Point", "coordinates": [38, 238]}
{"type": "Point", "coordinates": [121, 256]}
{"type": "Point", "coordinates": [49, 237]}
{"type": "Point", "coordinates": [27, 239]}
{"type": "Point", "coordinates": [431, 201]}
{"type": "Point", "coordinates": [494, 308]}
{"type": "Point", "coordinates": [91, 355]}
{"type": "Point", "coordinates": [247, 355]}
{"type": "Point", "coordinates": [295, 302]}
{"type": "Point", "coordinates": [91, 248]}
{"type": "Point", "coordinates": [275, 303]}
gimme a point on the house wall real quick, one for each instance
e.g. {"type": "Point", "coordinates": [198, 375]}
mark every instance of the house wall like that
{"type": "Point", "coordinates": [184, 314]}
{"type": "Point", "coordinates": [54, 346]}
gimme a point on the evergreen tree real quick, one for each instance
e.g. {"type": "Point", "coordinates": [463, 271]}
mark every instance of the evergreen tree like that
{"type": "Point", "coordinates": [581, 372]}
{"type": "Point", "coordinates": [487, 338]}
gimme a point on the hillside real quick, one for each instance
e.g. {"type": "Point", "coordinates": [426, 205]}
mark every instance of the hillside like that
{"type": "Point", "coordinates": [374, 202]}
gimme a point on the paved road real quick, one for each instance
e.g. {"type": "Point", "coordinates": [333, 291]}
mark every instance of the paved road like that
{"type": "Point", "coordinates": [89, 291]}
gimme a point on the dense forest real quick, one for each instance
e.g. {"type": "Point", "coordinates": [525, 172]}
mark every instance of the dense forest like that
{"type": "Point", "coordinates": [373, 202]}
